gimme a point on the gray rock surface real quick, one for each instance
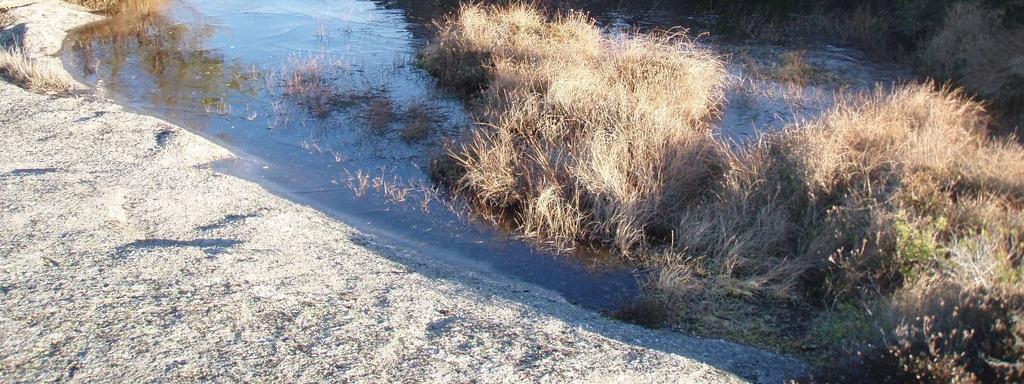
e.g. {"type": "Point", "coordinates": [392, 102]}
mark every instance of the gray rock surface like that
{"type": "Point", "coordinates": [124, 258]}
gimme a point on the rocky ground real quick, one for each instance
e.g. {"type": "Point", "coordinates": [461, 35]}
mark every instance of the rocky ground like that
{"type": "Point", "coordinates": [123, 257]}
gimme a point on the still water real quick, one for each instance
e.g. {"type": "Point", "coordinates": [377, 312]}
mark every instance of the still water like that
{"type": "Point", "coordinates": [324, 105]}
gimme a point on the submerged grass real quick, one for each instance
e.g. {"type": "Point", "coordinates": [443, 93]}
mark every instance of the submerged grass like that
{"type": "Point", "coordinates": [418, 122]}
{"type": "Point", "coordinates": [379, 114]}
{"type": "Point", "coordinates": [836, 234]}
{"type": "Point", "coordinates": [309, 81]}
{"type": "Point", "coordinates": [794, 68]}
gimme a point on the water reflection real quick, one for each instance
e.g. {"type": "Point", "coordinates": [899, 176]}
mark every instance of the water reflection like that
{"type": "Point", "coordinates": [323, 104]}
{"type": "Point", "coordinates": [181, 74]}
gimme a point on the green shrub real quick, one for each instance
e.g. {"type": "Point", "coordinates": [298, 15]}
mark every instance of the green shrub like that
{"type": "Point", "coordinates": [945, 334]}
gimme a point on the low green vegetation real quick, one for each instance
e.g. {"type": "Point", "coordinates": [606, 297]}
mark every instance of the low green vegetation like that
{"type": "Point", "coordinates": [888, 231]}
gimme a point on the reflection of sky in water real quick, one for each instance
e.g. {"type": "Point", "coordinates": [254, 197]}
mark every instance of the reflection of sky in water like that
{"type": "Point", "coordinates": [357, 30]}
{"type": "Point", "coordinates": [221, 68]}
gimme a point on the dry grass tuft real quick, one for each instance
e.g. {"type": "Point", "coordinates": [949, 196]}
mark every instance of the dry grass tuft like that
{"type": "Point", "coordinates": [583, 137]}
{"type": "Point", "coordinates": [44, 77]}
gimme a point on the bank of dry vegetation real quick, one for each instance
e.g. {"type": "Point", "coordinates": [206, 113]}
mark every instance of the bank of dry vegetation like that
{"type": "Point", "coordinates": [890, 228]}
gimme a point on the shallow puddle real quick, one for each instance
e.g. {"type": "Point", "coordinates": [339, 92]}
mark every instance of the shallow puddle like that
{"type": "Point", "coordinates": [323, 103]}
